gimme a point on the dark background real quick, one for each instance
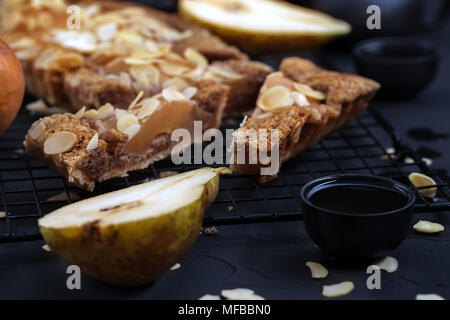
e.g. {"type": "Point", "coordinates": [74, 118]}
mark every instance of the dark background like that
{"type": "Point", "coordinates": [269, 258]}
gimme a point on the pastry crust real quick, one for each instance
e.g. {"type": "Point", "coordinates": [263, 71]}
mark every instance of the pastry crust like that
{"type": "Point", "coordinates": [111, 156]}
{"type": "Point", "coordinates": [342, 98]}
{"type": "Point", "coordinates": [121, 49]}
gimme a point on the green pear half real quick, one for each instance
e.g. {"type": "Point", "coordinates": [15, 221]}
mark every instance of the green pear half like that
{"type": "Point", "coordinates": [264, 26]}
{"type": "Point", "coordinates": [132, 236]}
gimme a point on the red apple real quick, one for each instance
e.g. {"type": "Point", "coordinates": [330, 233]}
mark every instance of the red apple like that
{"type": "Point", "coordinates": [12, 86]}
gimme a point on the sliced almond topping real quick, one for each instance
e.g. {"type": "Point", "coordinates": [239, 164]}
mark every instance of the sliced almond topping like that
{"type": "Point", "coordinates": [45, 247]}
{"type": "Point", "coordinates": [421, 180]}
{"type": "Point", "coordinates": [136, 100]}
{"type": "Point", "coordinates": [308, 91]}
{"type": "Point", "coordinates": [172, 95]}
{"type": "Point", "coordinates": [91, 113]}
{"type": "Point", "coordinates": [173, 68]}
{"type": "Point", "coordinates": [59, 142]}
{"type": "Point", "coordinates": [175, 266]}
{"type": "Point", "coordinates": [80, 113]}
{"type": "Point", "coordinates": [133, 61]}
{"type": "Point", "coordinates": [428, 227]}
{"type": "Point", "coordinates": [148, 107]}
{"type": "Point", "coordinates": [337, 290]}
{"type": "Point", "coordinates": [36, 130]}
{"type": "Point", "coordinates": [2, 214]}
{"type": "Point", "coordinates": [107, 31]}
{"type": "Point", "coordinates": [93, 143]}
{"type": "Point", "coordinates": [227, 74]}
{"type": "Point", "coordinates": [275, 97]}
{"type": "Point", "coordinates": [175, 83]}
{"type": "Point", "coordinates": [237, 294]}
{"type": "Point", "coordinates": [389, 264]}
{"type": "Point", "coordinates": [105, 111]}
{"type": "Point", "coordinates": [120, 113]}
{"type": "Point", "coordinates": [145, 74]}
{"type": "Point", "coordinates": [126, 121]}
{"type": "Point", "coordinates": [132, 130]}
{"type": "Point", "coordinates": [318, 271]}
{"type": "Point", "coordinates": [300, 99]}
{"type": "Point", "coordinates": [429, 296]}
{"type": "Point", "coordinates": [190, 92]}
{"type": "Point", "coordinates": [195, 57]}
{"type": "Point", "coordinates": [125, 79]}
{"type": "Point", "coordinates": [209, 297]}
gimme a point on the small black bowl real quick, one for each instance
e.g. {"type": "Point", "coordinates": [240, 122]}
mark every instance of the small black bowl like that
{"type": "Point", "coordinates": [403, 66]}
{"type": "Point", "coordinates": [353, 217]}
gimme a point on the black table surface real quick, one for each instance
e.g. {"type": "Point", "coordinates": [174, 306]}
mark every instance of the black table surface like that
{"type": "Point", "coordinates": [270, 257]}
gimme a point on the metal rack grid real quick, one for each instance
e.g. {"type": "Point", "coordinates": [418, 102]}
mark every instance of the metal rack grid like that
{"type": "Point", "coordinates": [28, 188]}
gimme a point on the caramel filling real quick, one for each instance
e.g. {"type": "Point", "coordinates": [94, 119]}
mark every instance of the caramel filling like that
{"type": "Point", "coordinates": [168, 117]}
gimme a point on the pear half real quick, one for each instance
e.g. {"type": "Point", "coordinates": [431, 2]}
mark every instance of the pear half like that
{"type": "Point", "coordinates": [264, 26]}
{"type": "Point", "coordinates": [132, 236]}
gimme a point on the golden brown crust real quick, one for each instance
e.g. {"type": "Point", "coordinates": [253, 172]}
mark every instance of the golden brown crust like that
{"type": "Point", "coordinates": [110, 158]}
{"type": "Point", "coordinates": [345, 96]}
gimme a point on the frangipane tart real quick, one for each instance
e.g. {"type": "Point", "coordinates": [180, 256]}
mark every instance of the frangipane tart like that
{"type": "Point", "coordinates": [304, 103]}
{"type": "Point", "coordinates": [113, 50]}
{"type": "Point", "coordinates": [92, 147]}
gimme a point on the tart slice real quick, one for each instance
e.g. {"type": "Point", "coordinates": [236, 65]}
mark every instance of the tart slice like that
{"type": "Point", "coordinates": [302, 103]}
{"type": "Point", "coordinates": [118, 50]}
{"type": "Point", "coordinates": [96, 145]}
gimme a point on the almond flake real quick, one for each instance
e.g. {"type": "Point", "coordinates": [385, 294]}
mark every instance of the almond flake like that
{"type": "Point", "coordinates": [36, 130]}
{"type": "Point", "coordinates": [126, 121]}
{"type": "Point", "coordinates": [106, 32]}
{"type": "Point", "coordinates": [173, 69]}
{"type": "Point", "coordinates": [45, 247]}
{"type": "Point", "coordinates": [60, 142]}
{"type": "Point", "coordinates": [175, 266]}
{"type": "Point", "coordinates": [175, 83]}
{"type": "Point", "coordinates": [237, 294]}
{"type": "Point", "coordinates": [337, 290]}
{"type": "Point", "coordinates": [300, 99]}
{"type": "Point", "coordinates": [275, 97]}
{"type": "Point", "coordinates": [91, 113]}
{"type": "Point", "coordinates": [120, 113]}
{"type": "Point", "coordinates": [93, 143]}
{"type": "Point", "coordinates": [125, 79]}
{"type": "Point", "coordinates": [132, 61]}
{"type": "Point", "coordinates": [190, 92]}
{"type": "Point", "coordinates": [146, 74]}
{"type": "Point", "coordinates": [2, 214]}
{"type": "Point", "coordinates": [389, 264]}
{"type": "Point", "coordinates": [80, 113]}
{"type": "Point", "coordinates": [196, 57]}
{"type": "Point", "coordinates": [308, 91]}
{"type": "Point", "coordinates": [428, 227]}
{"type": "Point", "coordinates": [226, 74]}
{"type": "Point", "coordinates": [105, 111]}
{"type": "Point", "coordinates": [136, 100]}
{"type": "Point", "coordinates": [421, 180]}
{"type": "Point", "coordinates": [429, 296]}
{"type": "Point", "coordinates": [318, 271]}
{"type": "Point", "coordinates": [172, 95]}
{"type": "Point", "coordinates": [132, 130]}
{"type": "Point", "coordinates": [209, 297]}
{"type": "Point", "coordinates": [148, 107]}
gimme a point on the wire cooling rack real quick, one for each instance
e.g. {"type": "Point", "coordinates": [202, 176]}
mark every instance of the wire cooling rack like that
{"type": "Point", "coordinates": [29, 190]}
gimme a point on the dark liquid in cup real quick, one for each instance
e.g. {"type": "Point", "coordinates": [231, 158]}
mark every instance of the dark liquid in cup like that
{"type": "Point", "coordinates": [353, 198]}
